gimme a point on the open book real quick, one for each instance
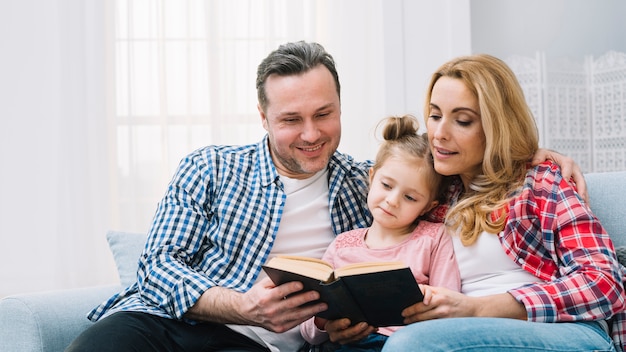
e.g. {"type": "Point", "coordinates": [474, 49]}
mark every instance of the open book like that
{"type": "Point", "coordinates": [374, 292]}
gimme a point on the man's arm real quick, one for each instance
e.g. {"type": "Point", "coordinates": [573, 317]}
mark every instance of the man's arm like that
{"type": "Point", "coordinates": [264, 305]}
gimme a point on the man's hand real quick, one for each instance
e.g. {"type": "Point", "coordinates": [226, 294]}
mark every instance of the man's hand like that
{"type": "Point", "coordinates": [569, 169]}
{"type": "Point", "coordinates": [264, 305]}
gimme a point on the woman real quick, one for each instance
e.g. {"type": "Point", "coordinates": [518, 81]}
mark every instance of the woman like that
{"type": "Point", "coordinates": [529, 250]}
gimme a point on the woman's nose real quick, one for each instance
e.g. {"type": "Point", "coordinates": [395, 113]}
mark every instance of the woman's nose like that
{"type": "Point", "coordinates": [440, 129]}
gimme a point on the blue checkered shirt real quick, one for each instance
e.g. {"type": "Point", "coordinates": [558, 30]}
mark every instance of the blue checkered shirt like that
{"type": "Point", "coordinates": [217, 222]}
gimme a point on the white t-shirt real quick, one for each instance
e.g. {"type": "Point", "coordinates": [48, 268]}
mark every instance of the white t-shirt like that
{"type": "Point", "coordinates": [485, 269]}
{"type": "Point", "coordinates": [305, 229]}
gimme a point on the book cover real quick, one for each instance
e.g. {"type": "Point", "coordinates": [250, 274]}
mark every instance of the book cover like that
{"type": "Point", "coordinates": [377, 297]}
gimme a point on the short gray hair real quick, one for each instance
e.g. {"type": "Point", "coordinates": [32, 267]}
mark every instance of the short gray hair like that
{"type": "Point", "coordinates": [292, 59]}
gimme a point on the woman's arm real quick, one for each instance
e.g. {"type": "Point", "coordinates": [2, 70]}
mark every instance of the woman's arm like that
{"type": "Point", "coordinates": [557, 237]}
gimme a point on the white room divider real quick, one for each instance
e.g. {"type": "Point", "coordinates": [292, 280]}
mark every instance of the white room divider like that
{"type": "Point", "coordinates": [580, 106]}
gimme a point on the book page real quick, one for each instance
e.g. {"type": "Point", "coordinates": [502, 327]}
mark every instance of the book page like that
{"type": "Point", "coordinates": [368, 267]}
{"type": "Point", "coordinates": [311, 267]}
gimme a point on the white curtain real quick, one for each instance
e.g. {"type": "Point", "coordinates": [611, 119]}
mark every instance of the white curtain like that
{"type": "Point", "coordinates": [185, 74]}
{"type": "Point", "coordinates": [53, 147]}
{"type": "Point", "coordinates": [102, 98]}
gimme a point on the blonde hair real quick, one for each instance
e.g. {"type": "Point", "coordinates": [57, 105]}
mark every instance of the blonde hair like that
{"type": "Point", "coordinates": [401, 139]}
{"type": "Point", "coordinates": [511, 141]}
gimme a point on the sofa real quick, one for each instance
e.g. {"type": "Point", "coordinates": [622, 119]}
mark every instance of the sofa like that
{"type": "Point", "coordinates": [49, 321]}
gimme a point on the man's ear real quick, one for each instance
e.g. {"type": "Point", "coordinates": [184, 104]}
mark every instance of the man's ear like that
{"type": "Point", "coordinates": [263, 117]}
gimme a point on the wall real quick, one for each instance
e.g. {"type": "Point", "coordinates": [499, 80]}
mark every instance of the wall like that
{"type": "Point", "coordinates": [577, 114]}
{"type": "Point", "coordinates": [560, 28]}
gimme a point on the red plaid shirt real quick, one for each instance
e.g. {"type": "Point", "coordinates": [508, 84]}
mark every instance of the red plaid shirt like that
{"type": "Point", "coordinates": [552, 234]}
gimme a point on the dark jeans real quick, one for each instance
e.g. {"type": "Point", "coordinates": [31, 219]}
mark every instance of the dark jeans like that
{"type": "Point", "coordinates": [371, 343]}
{"type": "Point", "coordinates": [134, 331]}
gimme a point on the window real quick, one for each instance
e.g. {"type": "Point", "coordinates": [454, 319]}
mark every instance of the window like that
{"type": "Point", "coordinates": [185, 75]}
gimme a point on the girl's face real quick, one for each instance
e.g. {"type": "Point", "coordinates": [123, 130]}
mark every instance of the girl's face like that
{"type": "Point", "coordinates": [399, 193]}
{"type": "Point", "coordinates": [455, 131]}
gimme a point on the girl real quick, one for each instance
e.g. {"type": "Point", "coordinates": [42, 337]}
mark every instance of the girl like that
{"type": "Point", "coordinates": [403, 187]}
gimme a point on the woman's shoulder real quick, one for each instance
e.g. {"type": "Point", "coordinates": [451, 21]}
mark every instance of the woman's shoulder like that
{"type": "Point", "coordinates": [544, 176]}
{"type": "Point", "coordinates": [545, 184]}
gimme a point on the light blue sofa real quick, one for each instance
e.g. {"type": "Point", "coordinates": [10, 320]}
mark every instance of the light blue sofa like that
{"type": "Point", "coordinates": [50, 321]}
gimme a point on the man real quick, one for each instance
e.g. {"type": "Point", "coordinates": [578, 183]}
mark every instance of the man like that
{"type": "Point", "coordinates": [228, 209]}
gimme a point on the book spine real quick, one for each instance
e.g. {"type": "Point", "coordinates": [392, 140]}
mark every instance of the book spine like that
{"type": "Point", "coordinates": [340, 302]}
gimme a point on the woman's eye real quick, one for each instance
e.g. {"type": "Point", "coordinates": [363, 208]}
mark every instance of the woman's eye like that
{"type": "Point", "coordinates": [434, 117]}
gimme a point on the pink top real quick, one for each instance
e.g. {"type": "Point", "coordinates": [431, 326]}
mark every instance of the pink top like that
{"type": "Point", "coordinates": [428, 252]}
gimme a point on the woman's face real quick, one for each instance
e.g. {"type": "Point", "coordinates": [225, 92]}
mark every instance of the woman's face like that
{"type": "Point", "coordinates": [455, 131]}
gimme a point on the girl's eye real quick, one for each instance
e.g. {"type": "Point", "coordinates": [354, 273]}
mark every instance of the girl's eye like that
{"type": "Point", "coordinates": [410, 199]}
{"type": "Point", "coordinates": [385, 185]}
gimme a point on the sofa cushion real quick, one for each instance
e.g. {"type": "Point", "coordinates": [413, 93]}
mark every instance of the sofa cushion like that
{"type": "Point", "coordinates": [606, 196]}
{"type": "Point", "coordinates": [126, 248]}
{"type": "Point", "coordinates": [621, 254]}
{"type": "Point", "coordinates": [48, 321]}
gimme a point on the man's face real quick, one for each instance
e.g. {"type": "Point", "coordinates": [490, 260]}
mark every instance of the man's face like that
{"type": "Point", "coordinates": [303, 121]}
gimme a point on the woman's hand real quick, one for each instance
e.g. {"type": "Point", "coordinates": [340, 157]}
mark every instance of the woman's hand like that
{"type": "Point", "coordinates": [440, 302]}
{"type": "Point", "coordinates": [340, 331]}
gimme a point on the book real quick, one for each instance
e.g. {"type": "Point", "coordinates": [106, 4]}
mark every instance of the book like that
{"type": "Point", "coordinates": [373, 292]}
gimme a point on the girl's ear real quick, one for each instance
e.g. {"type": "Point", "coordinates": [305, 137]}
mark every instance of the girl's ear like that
{"type": "Point", "coordinates": [432, 205]}
{"type": "Point", "coordinates": [371, 174]}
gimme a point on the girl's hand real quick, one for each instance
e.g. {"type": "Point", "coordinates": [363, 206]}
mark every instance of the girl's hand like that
{"type": "Point", "coordinates": [340, 331]}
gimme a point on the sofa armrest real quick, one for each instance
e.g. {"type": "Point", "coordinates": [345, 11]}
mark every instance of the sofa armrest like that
{"type": "Point", "coordinates": [48, 321]}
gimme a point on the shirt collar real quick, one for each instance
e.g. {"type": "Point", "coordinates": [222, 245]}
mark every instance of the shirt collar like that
{"type": "Point", "coordinates": [265, 167]}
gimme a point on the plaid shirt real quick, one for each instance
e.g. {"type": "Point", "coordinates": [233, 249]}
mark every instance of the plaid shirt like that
{"type": "Point", "coordinates": [216, 224]}
{"type": "Point", "coordinates": [553, 235]}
